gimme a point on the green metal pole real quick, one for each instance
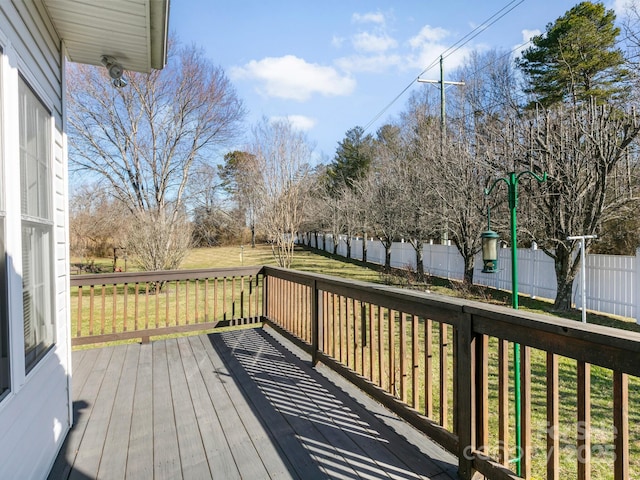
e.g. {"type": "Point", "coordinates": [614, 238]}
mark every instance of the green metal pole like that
{"type": "Point", "coordinates": [512, 185]}
{"type": "Point", "coordinates": [513, 203]}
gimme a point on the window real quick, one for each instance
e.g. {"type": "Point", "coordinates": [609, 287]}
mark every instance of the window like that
{"type": "Point", "coordinates": [4, 327]}
{"type": "Point", "coordinates": [37, 225]}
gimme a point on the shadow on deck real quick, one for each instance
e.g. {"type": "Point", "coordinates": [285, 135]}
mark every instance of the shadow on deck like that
{"type": "Point", "coordinates": [241, 404]}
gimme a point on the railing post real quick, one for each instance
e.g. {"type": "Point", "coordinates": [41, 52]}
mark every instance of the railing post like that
{"type": "Point", "coordinates": [315, 322]}
{"type": "Point", "coordinates": [265, 293]}
{"type": "Point", "coordinates": [465, 344]}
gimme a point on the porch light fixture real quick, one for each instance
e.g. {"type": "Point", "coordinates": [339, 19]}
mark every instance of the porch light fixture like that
{"type": "Point", "coordinates": [115, 70]}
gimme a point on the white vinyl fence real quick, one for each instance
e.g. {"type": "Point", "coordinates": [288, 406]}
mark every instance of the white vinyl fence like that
{"type": "Point", "coordinates": [613, 281]}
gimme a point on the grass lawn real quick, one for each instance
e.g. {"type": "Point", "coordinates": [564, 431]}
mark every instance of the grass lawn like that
{"type": "Point", "coordinates": [322, 262]}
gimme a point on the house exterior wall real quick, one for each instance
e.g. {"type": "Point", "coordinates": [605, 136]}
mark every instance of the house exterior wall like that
{"type": "Point", "coordinates": [35, 414]}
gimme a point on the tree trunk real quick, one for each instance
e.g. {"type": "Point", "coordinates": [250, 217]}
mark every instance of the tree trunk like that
{"type": "Point", "coordinates": [387, 256]}
{"type": "Point", "coordinates": [364, 247]}
{"type": "Point", "coordinates": [417, 246]}
{"type": "Point", "coordinates": [566, 269]}
{"type": "Point", "coordinates": [348, 246]}
{"type": "Point", "coordinates": [469, 264]}
{"type": "Point", "coordinates": [253, 235]}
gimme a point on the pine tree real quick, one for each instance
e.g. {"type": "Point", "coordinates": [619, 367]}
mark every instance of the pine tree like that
{"type": "Point", "coordinates": [576, 58]}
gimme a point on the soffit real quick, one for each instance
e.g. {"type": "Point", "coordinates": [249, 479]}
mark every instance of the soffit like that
{"type": "Point", "coordinates": [134, 32]}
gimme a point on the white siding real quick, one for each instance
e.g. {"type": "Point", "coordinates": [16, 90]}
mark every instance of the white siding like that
{"type": "Point", "coordinates": [39, 57]}
{"type": "Point", "coordinates": [35, 416]}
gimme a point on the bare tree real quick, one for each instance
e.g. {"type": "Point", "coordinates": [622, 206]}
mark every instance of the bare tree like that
{"type": "Point", "coordinates": [421, 213]}
{"type": "Point", "coordinates": [239, 174]}
{"type": "Point", "coordinates": [382, 189]}
{"type": "Point", "coordinates": [283, 157]}
{"type": "Point", "coordinates": [213, 219]}
{"type": "Point", "coordinates": [579, 147]}
{"type": "Point", "coordinates": [353, 216]}
{"type": "Point", "coordinates": [329, 211]}
{"type": "Point", "coordinates": [445, 177]}
{"type": "Point", "coordinates": [145, 139]}
{"type": "Point", "coordinates": [460, 185]}
{"type": "Point", "coordinates": [156, 242]}
{"type": "Point", "coordinates": [95, 221]}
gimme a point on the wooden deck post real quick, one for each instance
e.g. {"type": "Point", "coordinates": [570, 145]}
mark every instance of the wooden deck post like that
{"type": "Point", "coordinates": [465, 402]}
{"type": "Point", "coordinates": [316, 318]}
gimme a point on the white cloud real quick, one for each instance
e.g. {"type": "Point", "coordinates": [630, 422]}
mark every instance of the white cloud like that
{"type": "Point", "coordinates": [527, 35]}
{"type": "Point", "coordinates": [428, 35]}
{"type": "Point", "coordinates": [298, 122]}
{"type": "Point", "coordinates": [371, 47]}
{"type": "Point", "coordinates": [424, 48]}
{"type": "Point", "coordinates": [290, 77]}
{"type": "Point", "coordinates": [371, 17]}
{"type": "Point", "coordinates": [371, 42]}
{"type": "Point", "coordinates": [620, 7]}
{"type": "Point", "coordinates": [337, 41]}
{"type": "Point", "coordinates": [428, 45]}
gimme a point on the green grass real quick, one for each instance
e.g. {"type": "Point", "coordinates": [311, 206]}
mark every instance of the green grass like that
{"type": "Point", "coordinates": [325, 263]}
{"type": "Point", "coordinates": [305, 260]}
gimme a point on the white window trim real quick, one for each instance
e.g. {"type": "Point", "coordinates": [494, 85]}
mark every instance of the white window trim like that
{"type": "Point", "coordinates": [3, 271]}
{"type": "Point", "coordinates": [13, 235]}
{"type": "Point", "coordinates": [30, 82]}
{"type": "Point", "coordinates": [13, 67]}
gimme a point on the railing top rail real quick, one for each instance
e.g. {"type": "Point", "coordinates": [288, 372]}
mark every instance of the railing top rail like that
{"type": "Point", "coordinates": [608, 347]}
{"type": "Point", "coordinates": [439, 307]}
{"type": "Point", "coordinates": [160, 276]}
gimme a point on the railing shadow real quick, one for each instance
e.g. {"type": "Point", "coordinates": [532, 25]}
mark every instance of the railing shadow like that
{"type": "Point", "coordinates": [335, 436]}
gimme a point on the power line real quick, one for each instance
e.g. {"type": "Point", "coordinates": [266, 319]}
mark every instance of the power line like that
{"type": "Point", "coordinates": [471, 35]}
{"type": "Point", "coordinates": [516, 96]}
{"type": "Point", "coordinates": [484, 67]}
{"type": "Point", "coordinates": [449, 51]}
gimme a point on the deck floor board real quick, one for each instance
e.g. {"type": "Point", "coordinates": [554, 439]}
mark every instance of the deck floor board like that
{"type": "Point", "coordinates": [140, 452]}
{"type": "Point", "coordinates": [243, 404]}
{"type": "Point", "coordinates": [120, 422]}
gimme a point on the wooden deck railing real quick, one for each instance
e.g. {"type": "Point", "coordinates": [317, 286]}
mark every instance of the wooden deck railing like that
{"type": "Point", "coordinates": [442, 364]}
{"type": "Point", "coordinates": [445, 366]}
{"type": "Point", "coordinates": [123, 306]}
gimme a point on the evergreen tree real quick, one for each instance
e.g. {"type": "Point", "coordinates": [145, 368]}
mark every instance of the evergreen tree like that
{"type": "Point", "coordinates": [351, 162]}
{"type": "Point", "coordinates": [576, 58]}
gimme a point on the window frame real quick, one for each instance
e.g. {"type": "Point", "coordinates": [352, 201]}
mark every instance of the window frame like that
{"type": "Point", "coordinates": [5, 357]}
{"type": "Point", "coordinates": [38, 295]}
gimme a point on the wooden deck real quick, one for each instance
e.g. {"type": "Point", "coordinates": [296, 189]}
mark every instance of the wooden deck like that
{"type": "Point", "coordinates": [232, 405]}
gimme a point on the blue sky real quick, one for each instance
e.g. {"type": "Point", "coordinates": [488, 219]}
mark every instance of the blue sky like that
{"type": "Point", "coordinates": [333, 64]}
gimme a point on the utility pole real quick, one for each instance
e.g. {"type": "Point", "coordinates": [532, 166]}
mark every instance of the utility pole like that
{"type": "Point", "coordinates": [443, 114]}
{"type": "Point", "coordinates": [443, 120]}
